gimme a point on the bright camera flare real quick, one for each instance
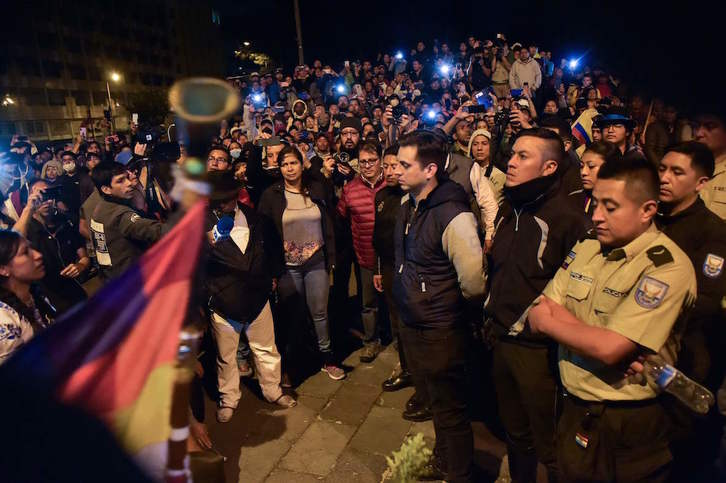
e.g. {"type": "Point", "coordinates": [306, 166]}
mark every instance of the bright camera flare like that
{"type": "Point", "coordinates": [573, 63]}
{"type": "Point", "coordinates": [115, 76]}
{"type": "Point", "coordinates": [399, 56]}
{"type": "Point", "coordinates": [341, 89]}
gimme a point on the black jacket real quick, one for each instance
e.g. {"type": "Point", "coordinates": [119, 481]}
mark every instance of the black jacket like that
{"type": "Point", "coordinates": [536, 228]}
{"type": "Point", "coordinates": [238, 284]}
{"type": "Point", "coordinates": [258, 178]}
{"type": "Point", "coordinates": [426, 284]}
{"type": "Point", "coordinates": [272, 206]}
{"type": "Point", "coordinates": [701, 234]}
{"type": "Point", "coordinates": [388, 209]}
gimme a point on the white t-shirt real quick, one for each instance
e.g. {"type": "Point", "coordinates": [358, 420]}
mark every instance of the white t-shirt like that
{"type": "Point", "coordinates": [15, 331]}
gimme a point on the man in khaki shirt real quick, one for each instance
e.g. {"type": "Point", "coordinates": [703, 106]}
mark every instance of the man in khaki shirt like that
{"type": "Point", "coordinates": [710, 129]}
{"type": "Point", "coordinates": [614, 299]}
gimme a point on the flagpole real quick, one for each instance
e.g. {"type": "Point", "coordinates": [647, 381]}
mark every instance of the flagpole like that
{"type": "Point", "coordinates": [177, 467]}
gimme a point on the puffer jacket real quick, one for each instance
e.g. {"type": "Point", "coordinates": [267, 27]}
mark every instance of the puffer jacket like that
{"type": "Point", "coordinates": [358, 204]}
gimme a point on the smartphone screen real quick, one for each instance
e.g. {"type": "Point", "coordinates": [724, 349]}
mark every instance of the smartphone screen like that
{"type": "Point", "coordinates": [83, 132]}
{"type": "Point", "coordinates": [135, 118]}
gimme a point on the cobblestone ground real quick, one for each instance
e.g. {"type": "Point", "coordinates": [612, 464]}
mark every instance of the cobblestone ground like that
{"type": "Point", "coordinates": [340, 431]}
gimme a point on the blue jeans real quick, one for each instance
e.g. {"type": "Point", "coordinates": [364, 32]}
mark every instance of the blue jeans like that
{"type": "Point", "coordinates": [312, 283]}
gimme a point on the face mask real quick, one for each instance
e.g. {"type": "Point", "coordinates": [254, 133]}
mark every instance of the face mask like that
{"type": "Point", "coordinates": [69, 167]}
{"type": "Point", "coordinates": [235, 153]}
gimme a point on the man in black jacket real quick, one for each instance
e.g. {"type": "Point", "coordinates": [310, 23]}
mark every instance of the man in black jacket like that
{"type": "Point", "coordinates": [535, 230]}
{"type": "Point", "coordinates": [701, 234]}
{"type": "Point", "coordinates": [439, 271]}
{"type": "Point", "coordinates": [238, 287]}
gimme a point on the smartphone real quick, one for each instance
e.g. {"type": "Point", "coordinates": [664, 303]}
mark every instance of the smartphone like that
{"type": "Point", "coordinates": [515, 92]}
{"type": "Point", "coordinates": [135, 118]}
{"type": "Point", "coordinates": [273, 141]}
{"type": "Point", "coordinates": [83, 132]}
{"type": "Point", "coordinates": [476, 109]}
{"type": "Point", "coordinates": [347, 63]}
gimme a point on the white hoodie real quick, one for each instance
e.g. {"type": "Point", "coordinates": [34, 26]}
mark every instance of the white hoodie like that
{"type": "Point", "coordinates": [525, 72]}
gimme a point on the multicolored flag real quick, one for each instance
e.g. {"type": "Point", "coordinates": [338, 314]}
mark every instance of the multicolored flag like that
{"type": "Point", "coordinates": [115, 354]}
{"type": "Point", "coordinates": [582, 127]}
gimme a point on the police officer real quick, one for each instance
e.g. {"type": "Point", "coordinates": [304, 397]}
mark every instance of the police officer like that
{"type": "Point", "coordinates": [684, 171]}
{"type": "Point", "coordinates": [710, 129]}
{"type": "Point", "coordinates": [120, 234]}
{"type": "Point", "coordinates": [614, 299]}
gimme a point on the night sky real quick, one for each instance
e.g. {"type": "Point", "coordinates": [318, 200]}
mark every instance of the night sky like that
{"type": "Point", "coordinates": [662, 48]}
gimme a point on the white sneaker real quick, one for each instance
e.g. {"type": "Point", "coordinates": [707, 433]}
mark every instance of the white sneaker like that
{"type": "Point", "coordinates": [224, 414]}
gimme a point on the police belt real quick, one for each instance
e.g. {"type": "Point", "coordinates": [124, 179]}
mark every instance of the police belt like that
{"type": "Point", "coordinates": [597, 407]}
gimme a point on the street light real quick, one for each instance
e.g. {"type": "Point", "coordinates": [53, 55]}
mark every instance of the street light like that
{"type": "Point", "coordinates": [8, 101]}
{"type": "Point", "coordinates": [246, 44]}
{"type": "Point", "coordinates": [116, 77]}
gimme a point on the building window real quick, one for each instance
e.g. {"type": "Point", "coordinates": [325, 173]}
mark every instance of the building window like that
{"type": "Point", "coordinates": [216, 18]}
{"type": "Point", "coordinates": [76, 71]}
{"type": "Point", "coordinates": [33, 96]}
{"type": "Point", "coordinates": [56, 97]}
{"type": "Point", "coordinates": [82, 98]}
{"type": "Point", "coordinates": [52, 68]}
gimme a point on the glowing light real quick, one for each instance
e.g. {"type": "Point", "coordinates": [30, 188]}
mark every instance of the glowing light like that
{"type": "Point", "coordinates": [257, 98]}
{"type": "Point", "coordinates": [115, 76]}
{"type": "Point", "coordinates": [573, 63]}
{"type": "Point", "coordinates": [340, 89]}
{"type": "Point", "coordinates": [8, 101]}
{"type": "Point", "coordinates": [431, 115]}
{"type": "Point", "coordinates": [445, 69]}
{"type": "Point", "coordinates": [246, 44]}
{"type": "Point", "coordinates": [399, 55]}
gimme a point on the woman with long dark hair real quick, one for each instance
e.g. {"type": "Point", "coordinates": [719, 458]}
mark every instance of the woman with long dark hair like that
{"type": "Point", "coordinates": [20, 267]}
{"type": "Point", "coordinates": [298, 209]}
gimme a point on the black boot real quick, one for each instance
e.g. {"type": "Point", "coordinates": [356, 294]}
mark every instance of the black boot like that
{"type": "Point", "coordinates": [416, 411]}
{"type": "Point", "coordinates": [433, 470]}
{"type": "Point", "coordinates": [399, 381]}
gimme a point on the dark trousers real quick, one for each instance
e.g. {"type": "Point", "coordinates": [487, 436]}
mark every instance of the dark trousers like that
{"type": "Point", "coordinates": [438, 357]}
{"type": "Point", "coordinates": [608, 442]}
{"type": "Point", "coordinates": [393, 314]}
{"type": "Point", "coordinates": [526, 395]}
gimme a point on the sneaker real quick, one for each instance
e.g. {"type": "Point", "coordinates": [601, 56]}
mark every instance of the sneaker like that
{"type": "Point", "coordinates": [370, 351]}
{"type": "Point", "coordinates": [334, 372]}
{"type": "Point", "coordinates": [245, 369]}
{"type": "Point", "coordinates": [286, 401]}
{"type": "Point", "coordinates": [224, 414]}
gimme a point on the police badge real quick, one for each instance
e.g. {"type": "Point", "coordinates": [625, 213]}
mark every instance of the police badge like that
{"type": "Point", "coordinates": [650, 292]}
{"type": "Point", "coordinates": [713, 265]}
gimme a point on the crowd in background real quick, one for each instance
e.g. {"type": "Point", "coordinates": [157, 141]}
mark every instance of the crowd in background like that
{"type": "Point", "coordinates": [314, 185]}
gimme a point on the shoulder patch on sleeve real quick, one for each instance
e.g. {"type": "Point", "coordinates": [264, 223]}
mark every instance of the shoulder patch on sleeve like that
{"type": "Point", "coordinates": [134, 218]}
{"type": "Point", "coordinates": [659, 255]}
{"type": "Point", "coordinates": [650, 292]}
{"type": "Point", "coordinates": [569, 259]}
{"type": "Point", "coordinates": [404, 199]}
{"type": "Point", "coordinates": [713, 265]}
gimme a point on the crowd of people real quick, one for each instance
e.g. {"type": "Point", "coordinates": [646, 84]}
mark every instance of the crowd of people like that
{"type": "Point", "coordinates": [494, 206]}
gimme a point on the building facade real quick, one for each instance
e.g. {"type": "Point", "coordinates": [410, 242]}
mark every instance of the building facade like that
{"type": "Point", "coordinates": [61, 59]}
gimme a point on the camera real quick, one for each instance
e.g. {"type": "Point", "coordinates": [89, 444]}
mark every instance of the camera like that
{"type": "Point", "coordinates": [147, 135]}
{"type": "Point", "coordinates": [52, 193]}
{"type": "Point", "coordinates": [501, 119]}
{"type": "Point", "coordinates": [342, 157]}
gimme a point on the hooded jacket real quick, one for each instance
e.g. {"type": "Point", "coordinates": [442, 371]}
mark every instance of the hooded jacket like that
{"type": "Point", "coordinates": [496, 176]}
{"type": "Point", "coordinates": [438, 259]}
{"type": "Point", "coordinates": [536, 228]}
{"type": "Point", "coordinates": [525, 72]}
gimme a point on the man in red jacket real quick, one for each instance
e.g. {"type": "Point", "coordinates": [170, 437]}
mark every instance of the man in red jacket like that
{"type": "Point", "coordinates": [357, 205]}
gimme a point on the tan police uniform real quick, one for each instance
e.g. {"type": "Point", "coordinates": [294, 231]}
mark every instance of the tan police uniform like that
{"type": "Point", "coordinates": [714, 193]}
{"type": "Point", "coordinates": [611, 430]}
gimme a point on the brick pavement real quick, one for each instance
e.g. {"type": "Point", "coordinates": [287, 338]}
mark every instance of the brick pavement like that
{"type": "Point", "coordinates": [340, 431]}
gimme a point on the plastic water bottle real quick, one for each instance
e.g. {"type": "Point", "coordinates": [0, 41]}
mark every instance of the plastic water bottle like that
{"type": "Point", "coordinates": [673, 381]}
{"type": "Point", "coordinates": [223, 228]}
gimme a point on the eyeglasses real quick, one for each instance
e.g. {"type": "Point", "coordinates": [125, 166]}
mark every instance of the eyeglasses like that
{"type": "Point", "coordinates": [349, 134]}
{"type": "Point", "coordinates": [368, 162]}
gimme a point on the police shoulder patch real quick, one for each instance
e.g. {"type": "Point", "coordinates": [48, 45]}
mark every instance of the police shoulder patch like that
{"type": "Point", "coordinates": [659, 255]}
{"type": "Point", "coordinates": [650, 292]}
{"type": "Point", "coordinates": [134, 218]}
{"type": "Point", "coordinates": [713, 265]}
{"type": "Point", "coordinates": [569, 259]}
